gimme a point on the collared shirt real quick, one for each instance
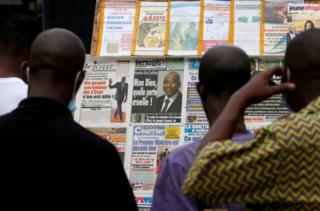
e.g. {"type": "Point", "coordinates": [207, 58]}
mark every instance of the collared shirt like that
{"type": "Point", "coordinates": [171, 99]}
{"type": "Point", "coordinates": [167, 194]}
{"type": "Point", "coordinates": [278, 170]}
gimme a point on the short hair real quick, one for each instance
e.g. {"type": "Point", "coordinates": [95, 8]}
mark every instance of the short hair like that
{"type": "Point", "coordinates": [174, 73]}
{"type": "Point", "coordinates": [224, 69]}
{"type": "Point", "coordinates": [18, 33]}
{"type": "Point", "coordinates": [311, 24]}
{"type": "Point", "coordinates": [303, 54]}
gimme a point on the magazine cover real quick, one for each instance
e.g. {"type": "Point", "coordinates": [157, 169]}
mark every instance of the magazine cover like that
{"type": "Point", "coordinates": [157, 91]}
{"type": "Point", "coordinates": [184, 28]}
{"type": "Point", "coordinates": [275, 32]}
{"type": "Point", "coordinates": [117, 29]}
{"type": "Point", "coordinates": [103, 96]}
{"type": "Point", "coordinates": [302, 17]}
{"type": "Point", "coordinates": [150, 145]}
{"type": "Point", "coordinates": [151, 31]}
{"type": "Point", "coordinates": [215, 23]}
{"type": "Point", "coordinates": [247, 26]}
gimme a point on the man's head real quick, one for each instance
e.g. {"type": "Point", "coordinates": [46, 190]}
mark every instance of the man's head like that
{"type": "Point", "coordinates": [56, 61]}
{"type": "Point", "coordinates": [292, 28]}
{"type": "Point", "coordinates": [16, 36]}
{"type": "Point", "coordinates": [171, 83]}
{"type": "Point", "coordinates": [222, 71]}
{"type": "Point", "coordinates": [302, 67]}
{"type": "Point", "coordinates": [123, 79]}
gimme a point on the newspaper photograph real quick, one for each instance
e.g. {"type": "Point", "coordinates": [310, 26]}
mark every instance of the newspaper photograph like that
{"type": "Point", "coordinates": [184, 28]}
{"type": "Point", "coordinates": [116, 135]}
{"type": "Point", "coordinates": [157, 91]}
{"type": "Point", "coordinates": [102, 98]}
{"type": "Point", "coordinates": [275, 35]}
{"type": "Point", "coordinates": [151, 28]}
{"type": "Point", "coordinates": [150, 145]}
{"type": "Point", "coordinates": [215, 23]}
{"type": "Point", "coordinates": [117, 29]}
{"type": "Point", "coordinates": [247, 26]}
{"type": "Point", "coordinates": [302, 17]}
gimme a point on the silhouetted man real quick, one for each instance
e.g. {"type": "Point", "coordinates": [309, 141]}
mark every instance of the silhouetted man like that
{"type": "Point", "coordinates": [53, 162]}
{"type": "Point", "coordinates": [121, 95]}
{"type": "Point", "coordinates": [217, 82]}
{"type": "Point", "coordinates": [280, 168]}
{"type": "Point", "coordinates": [16, 36]}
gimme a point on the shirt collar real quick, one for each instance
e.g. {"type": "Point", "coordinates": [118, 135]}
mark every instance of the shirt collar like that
{"type": "Point", "coordinates": [172, 98]}
{"type": "Point", "coordinates": [44, 106]}
{"type": "Point", "coordinates": [312, 107]}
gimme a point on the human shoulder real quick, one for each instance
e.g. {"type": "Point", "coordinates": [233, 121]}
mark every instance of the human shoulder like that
{"type": "Point", "coordinates": [92, 140]}
{"type": "Point", "coordinates": [160, 99]}
{"type": "Point", "coordinates": [183, 155]}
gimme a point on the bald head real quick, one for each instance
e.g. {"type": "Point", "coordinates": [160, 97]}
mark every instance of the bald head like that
{"type": "Point", "coordinates": [171, 84]}
{"type": "Point", "coordinates": [58, 50]}
{"type": "Point", "coordinates": [224, 69]}
{"type": "Point", "coordinates": [303, 55]}
{"type": "Point", "coordinates": [56, 58]}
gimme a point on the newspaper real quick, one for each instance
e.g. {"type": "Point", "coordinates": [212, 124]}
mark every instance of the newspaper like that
{"type": "Point", "coordinates": [152, 28]}
{"type": "Point", "coordinates": [302, 17]}
{"type": "Point", "coordinates": [117, 29]}
{"type": "Point", "coordinates": [216, 23]}
{"type": "Point", "coordinates": [263, 113]}
{"type": "Point", "coordinates": [102, 98]}
{"type": "Point", "coordinates": [116, 135]}
{"type": "Point", "coordinates": [151, 144]}
{"type": "Point", "coordinates": [275, 35]}
{"type": "Point", "coordinates": [247, 26]}
{"type": "Point", "coordinates": [194, 132]}
{"type": "Point", "coordinates": [194, 109]}
{"type": "Point", "coordinates": [155, 82]}
{"type": "Point", "coordinates": [184, 28]}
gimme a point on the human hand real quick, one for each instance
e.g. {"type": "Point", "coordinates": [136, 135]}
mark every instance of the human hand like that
{"type": "Point", "coordinates": [259, 87]}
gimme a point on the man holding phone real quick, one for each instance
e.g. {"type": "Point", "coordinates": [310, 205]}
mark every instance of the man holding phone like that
{"type": "Point", "coordinates": [280, 168]}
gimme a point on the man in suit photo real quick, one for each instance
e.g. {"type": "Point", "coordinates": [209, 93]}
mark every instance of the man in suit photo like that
{"type": "Point", "coordinates": [121, 95]}
{"type": "Point", "coordinates": [171, 101]}
{"type": "Point", "coordinates": [292, 33]}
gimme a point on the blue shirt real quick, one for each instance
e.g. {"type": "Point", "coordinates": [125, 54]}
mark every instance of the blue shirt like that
{"type": "Point", "coordinates": [167, 195]}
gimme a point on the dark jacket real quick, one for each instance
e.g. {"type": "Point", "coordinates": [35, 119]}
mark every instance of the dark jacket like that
{"type": "Point", "coordinates": [175, 106]}
{"type": "Point", "coordinates": [121, 93]}
{"type": "Point", "coordinates": [53, 162]}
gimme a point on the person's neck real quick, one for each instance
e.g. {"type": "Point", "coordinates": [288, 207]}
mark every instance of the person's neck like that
{"type": "Point", "coordinates": [10, 68]}
{"type": "Point", "coordinates": [214, 108]}
{"type": "Point", "coordinates": [301, 98]}
{"type": "Point", "coordinates": [59, 95]}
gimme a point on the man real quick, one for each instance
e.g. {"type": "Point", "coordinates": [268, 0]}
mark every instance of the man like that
{"type": "Point", "coordinates": [171, 101]}
{"type": "Point", "coordinates": [292, 33]}
{"type": "Point", "coordinates": [121, 95]}
{"type": "Point", "coordinates": [16, 36]}
{"type": "Point", "coordinates": [280, 169]}
{"type": "Point", "coordinates": [217, 81]}
{"type": "Point", "coordinates": [50, 160]}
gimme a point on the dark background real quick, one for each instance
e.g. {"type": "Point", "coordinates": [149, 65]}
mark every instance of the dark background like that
{"type": "Point", "coordinates": [75, 15]}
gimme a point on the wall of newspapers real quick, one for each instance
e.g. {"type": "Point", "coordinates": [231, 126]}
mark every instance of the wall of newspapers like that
{"type": "Point", "coordinates": [143, 51]}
